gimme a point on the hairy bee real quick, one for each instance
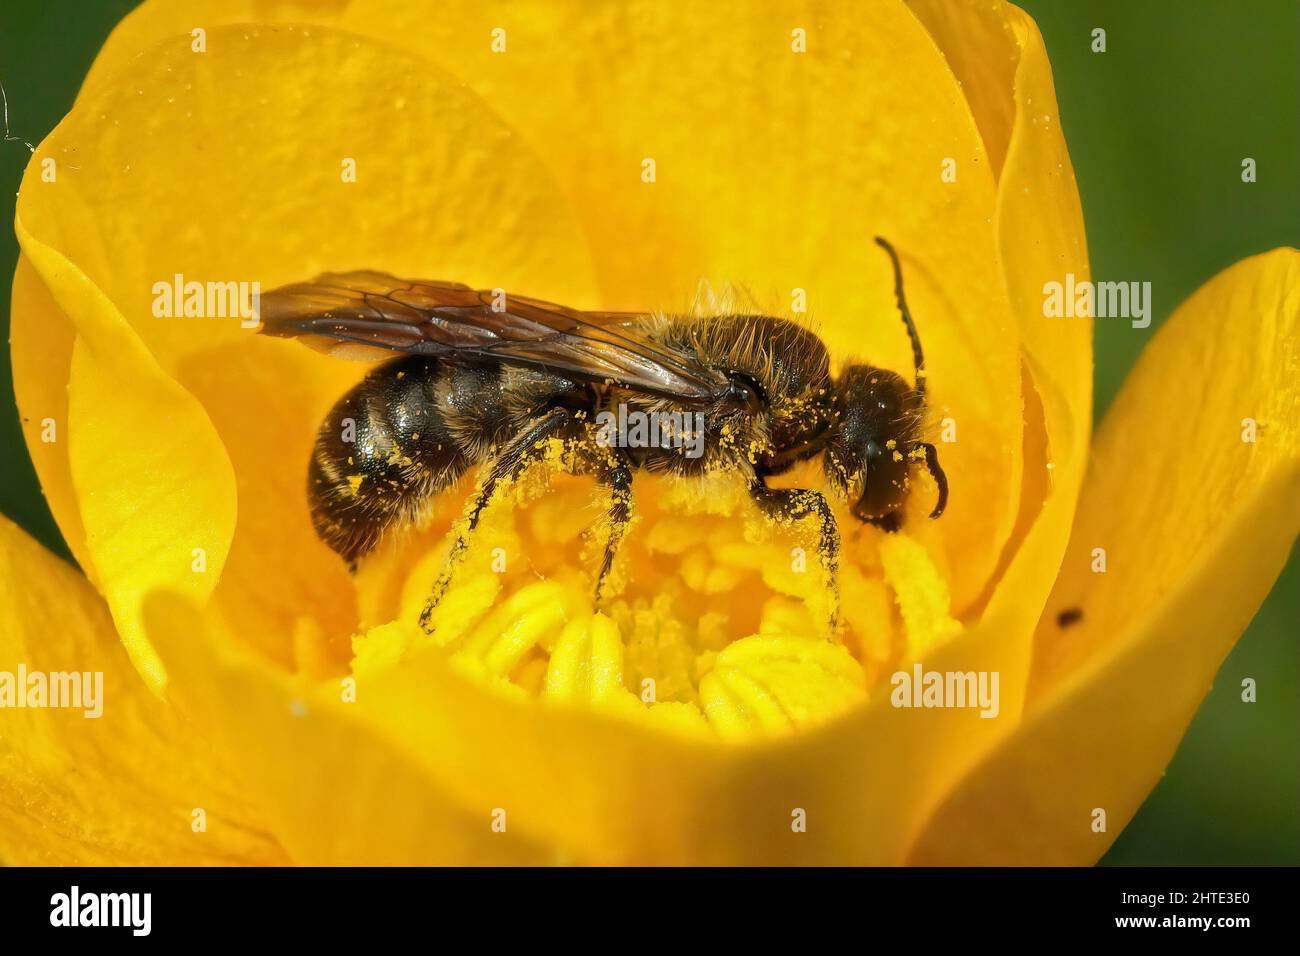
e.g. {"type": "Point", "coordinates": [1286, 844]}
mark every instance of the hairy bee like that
{"type": "Point", "coordinates": [486, 380]}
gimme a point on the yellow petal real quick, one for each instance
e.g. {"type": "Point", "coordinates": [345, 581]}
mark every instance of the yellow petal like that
{"type": "Point", "coordinates": [122, 788]}
{"type": "Point", "coordinates": [603, 789]}
{"type": "Point", "coordinates": [1041, 239]}
{"type": "Point", "coordinates": [997, 54]}
{"type": "Point", "coordinates": [41, 339]}
{"type": "Point", "coordinates": [138, 445]}
{"type": "Point", "coordinates": [983, 51]}
{"type": "Point", "coordinates": [594, 785]}
{"type": "Point", "coordinates": [469, 203]}
{"type": "Point", "coordinates": [1196, 524]}
{"type": "Point", "coordinates": [334, 792]}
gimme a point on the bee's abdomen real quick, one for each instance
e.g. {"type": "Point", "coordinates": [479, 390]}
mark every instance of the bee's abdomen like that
{"type": "Point", "coordinates": [382, 452]}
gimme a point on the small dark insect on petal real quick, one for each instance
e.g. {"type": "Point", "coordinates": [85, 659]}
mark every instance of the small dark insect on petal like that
{"type": "Point", "coordinates": [1069, 617]}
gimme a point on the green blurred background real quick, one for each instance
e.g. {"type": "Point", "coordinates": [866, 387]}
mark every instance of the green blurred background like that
{"type": "Point", "coordinates": [1157, 127]}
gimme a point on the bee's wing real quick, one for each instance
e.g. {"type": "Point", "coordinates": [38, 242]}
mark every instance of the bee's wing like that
{"type": "Point", "coordinates": [364, 314]}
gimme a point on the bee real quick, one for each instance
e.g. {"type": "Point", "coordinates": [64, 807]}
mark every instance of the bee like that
{"type": "Point", "coordinates": [486, 380]}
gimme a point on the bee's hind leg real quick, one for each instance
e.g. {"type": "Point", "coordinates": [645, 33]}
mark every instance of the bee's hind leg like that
{"type": "Point", "coordinates": [616, 475]}
{"type": "Point", "coordinates": [793, 504]}
{"type": "Point", "coordinates": [520, 452]}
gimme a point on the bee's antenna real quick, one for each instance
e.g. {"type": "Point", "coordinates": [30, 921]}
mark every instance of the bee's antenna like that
{"type": "Point", "coordinates": [918, 358]}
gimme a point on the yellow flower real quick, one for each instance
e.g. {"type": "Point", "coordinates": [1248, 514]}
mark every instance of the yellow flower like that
{"type": "Point", "coordinates": [269, 707]}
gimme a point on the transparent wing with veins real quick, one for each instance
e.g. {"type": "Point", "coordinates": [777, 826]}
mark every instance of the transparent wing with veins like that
{"type": "Point", "coordinates": [364, 314]}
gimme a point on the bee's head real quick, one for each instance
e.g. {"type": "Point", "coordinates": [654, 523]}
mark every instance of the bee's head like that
{"type": "Point", "coordinates": [875, 435]}
{"type": "Point", "coordinates": [874, 441]}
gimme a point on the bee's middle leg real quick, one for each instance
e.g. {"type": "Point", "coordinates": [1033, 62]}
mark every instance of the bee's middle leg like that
{"type": "Point", "coordinates": [794, 504]}
{"type": "Point", "coordinates": [520, 452]}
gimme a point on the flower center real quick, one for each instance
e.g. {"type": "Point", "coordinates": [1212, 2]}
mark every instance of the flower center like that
{"type": "Point", "coordinates": [716, 620]}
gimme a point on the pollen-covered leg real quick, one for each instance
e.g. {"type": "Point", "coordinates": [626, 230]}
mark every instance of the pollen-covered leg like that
{"type": "Point", "coordinates": [510, 464]}
{"type": "Point", "coordinates": [794, 504]}
{"type": "Point", "coordinates": [617, 477]}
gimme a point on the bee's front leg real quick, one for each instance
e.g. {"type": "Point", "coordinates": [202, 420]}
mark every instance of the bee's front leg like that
{"type": "Point", "coordinates": [794, 504]}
